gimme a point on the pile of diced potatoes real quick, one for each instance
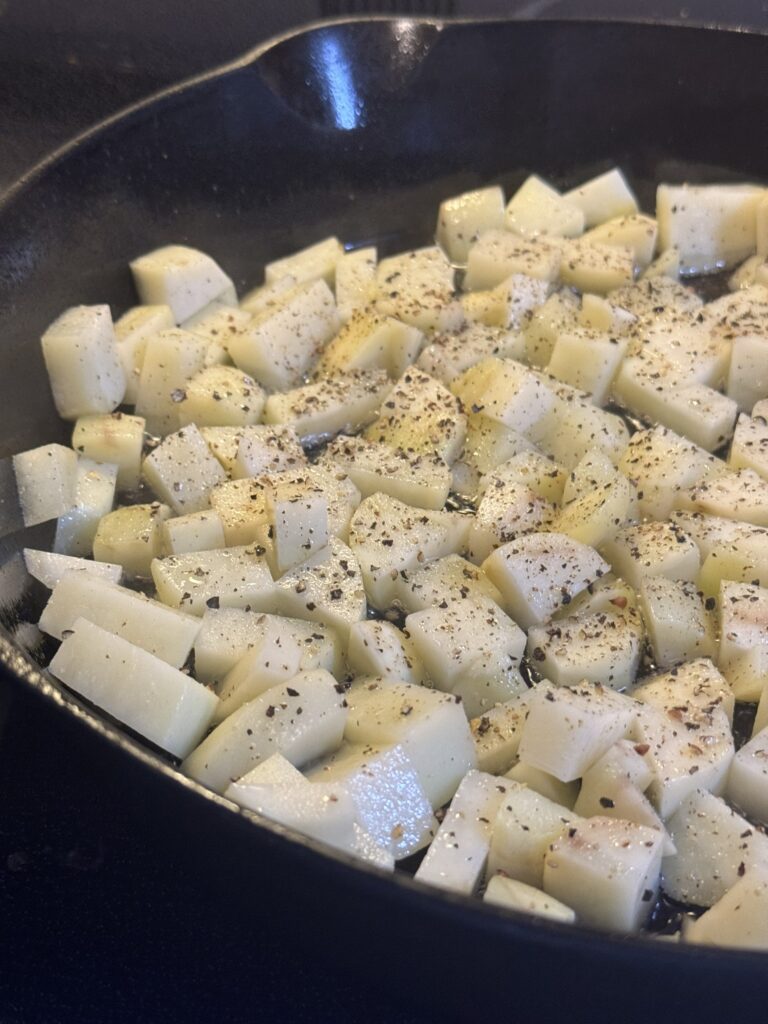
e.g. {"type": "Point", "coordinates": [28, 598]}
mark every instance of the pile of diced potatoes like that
{"type": "Point", "coordinates": [535, 684]}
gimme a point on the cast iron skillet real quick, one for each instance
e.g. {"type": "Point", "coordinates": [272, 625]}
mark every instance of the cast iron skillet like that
{"type": "Point", "coordinates": [361, 128]}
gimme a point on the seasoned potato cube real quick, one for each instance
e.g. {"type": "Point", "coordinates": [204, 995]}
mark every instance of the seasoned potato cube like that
{"type": "Point", "coordinates": [446, 580]}
{"type": "Point", "coordinates": [151, 697]}
{"type": "Point", "coordinates": [46, 481]}
{"type": "Point", "coordinates": [49, 567]}
{"type": "Point", "coordinates": [742, 655]}
{"type": "Point", "coordinates": [306, 265]}
{"type": "Point", "coordinates": [497, 733]}
{"type": "Point", "coordinates": [369, 341]}
{"type": "Point", "coordinates": [747, 785]}
{"type": "Point", "coordinates": [587, 360]}
{"type": "Point", "coordinates": [448, 355]}
{"type": "Point", "coordinates": [557, 315]}
{"type": "Point", "coordinates": [379, 648]}
{"type": "Point", "coordinates": [601, 198]}
{"type": "Point", "coordinates": [418, 288]}
{"type": "Point", "coordinates": [344, 402]}
{"type": "Point", "coordinates": [636, 232]}
{"type": "Point", "coordinates": [510, 304]}
{"type": "Point", "coordinates": [94, 498]}
{"type": "Point", "coordinates": [461, 219]}
{"type": "Point", "coordinates": [505, 391]}
{"type": "Point", "coordinates": [117, 439]}
{"type": "Point", "coordinates": [131, 537]}
{"type": "Point", "coordinates": [197, 531]}
{"type": "Point", "coordinates": [538, 209]}
{"type": "Point", "coordinates": [299, 526]}
{"type": "Point", "coordinates": [327, 588]}
{"type": "Point", "coordinates": [355, 281]}
{"type": "Point", "coordinates": [677, 624]}
{"type": "Point", "coordinates": [83, 362]}
{"type": "Point", "coordinates": [739, 919]}
{"type": "Point", "coordinates": [180, 277]}
{"type": "Point", "coordinates": [267, 296]}
{"type": "Point", "coordinates": [265, 449]}
{"type": "Point", "coordinates": [749, 449]}
{"type": "Point", "coordinates": [170, 359]}
{"type": "Point", "coordinates": [182, 471]}
{"type": "Point", "coordinates": [221, 396]}
{"type": "Point", "coordinates": [131, 331]}
{"type": "Point", "coordinates": [231, 578]}
{"type": "Point", "coordinates": [653, 549]}
{"type": "Point", "coordinates": [596, 267]}
{"type": "Point", "coordinates": [498, 254]}
{"type": "Point", "coordinates": [526, 899]}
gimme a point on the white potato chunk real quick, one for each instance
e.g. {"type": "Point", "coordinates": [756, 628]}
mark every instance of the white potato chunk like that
{"type": "Point", "coordinates": [370, 341]}
{"type": "Point", "coordinates": [596, 517]}
{"type": "Point", "coordinates": [389, 800]}
{"type": "Point", "coordinates": [279, 649]}
{"type": "Point", "coordinates": [506, 511]}
{"type": "Point", "coordinates": [635, 231]}
{"type": "Point", "coordinates": [496, 255]}
{"type": "Point", "coordinates": [431, 727]}
{"type": "Point", "coordinates": [282, 343]}
{"type": "Point", "coordinates": [227, 634]}
{"type": "Point", "coordinates": [557, 315]}
{"type": "Point", "coordinates": [469, 640]}
{"type": "Point", "coordinates": [170, 359]}
{"type": "Point", "coordinates": [587, 360]}
{"type": "Point", "coordinates": [715, 847]}
{"type": "Point", "coordinates": [461, 219]}
{"type": "Point", "coordinates": [603, 197]}
{"type": "Point", "coordinates": [151, 697]}
{"type": "Point", "coordinates": [568, 729]}
{"type": "Point", "coordinates": [662, 464]}
{"type": "Point", "coordinates": [197, 531]}
{"type": "Point", "coordinates": [443, 581]}
{"type": "Point", "coordinates": [420, 415]}
{"type": "Point", "coordinates": [131, 536]}
{"type": "Point", "coordinates": [743, 652]}
{"type": "Point", "coordinates": [749, 449]}
{"type": "Point", "coordinates": [601, 315]}
{"type": "Point", "coordinates": [678, 626]}
{"type": "Point", "coordinates": [563, 793]}
{"type": "Point", "coordinates": [739, 919]}
{"type": "Point", "coordinates": [596, 267]}
{"type": "Point", "coordinates": [541, 474]}
{"type": "Point", "coordinates": [449, 354]}
{"type": "Point", "coordinates": [131, 332]}
{"type": "Point", "coordinates": [302, 720]}
{"type": "Point", "coordinates": [497, 733]}
{"type": "Point", "coordinates": [388, 537]}
{"type": "Point", "coordinates": [739, 494]}
{"type": "Point", "coordinates": [747, 785]}
{"type": "Point", "coordinates": [94, 498]}
{"type": "Point", "coordinates": [117, 439]}
{"type": "Point", "coordinates": [166, 633]}
{"type": "Point", "coordinates": [217, 322]}
{"type": "Point", "coordinates": [419, 480]}
{"type": "Point", "coordinates": [509, 305]}
{"type": "Point", "coordinates": [666, 265]}
{"type": "Point", "coordinates": [299, 527]}
{"type": "Point", "coordinates": [574, 427]}
{"type": "Point", "coordinates": [49, 567]}
{"type": "Point", "coordinates": [46, 481]}
{"type": "Point", "coordinates": [526, 899]}
{"type": "Point", "coordinates": [653, 549]}
{"type": "Point", "coordinates": [457, 857]}
{"type": "Point", "coordinates": [342, 403]}
{"type": "Point", "coordinates": [180, 277]}
{"type": "Point", "coordinates": [506, 391]}
{"type": "Point", "coordinates": [318, 260]}
{"type": "Point", "coordinates": [83, 362]}
{"type": "Point", "coordinates": [267, 296]}
{"type": "Point", "coordinates": [379, 648]}
{"type": "Point", "coordinates": [236, 577]}
{"type": "Point", "coordinates": [712, 226]}
{"type": "Point", "coordinates": [182, 471]}
{"type": "Point", "coordinates": [322, 812]}
{"type": "Point", "coordinates": [260, 449]}
{"type": "Point", "coordinates": [538, 209]}
{"type": "Point", "coordinates": [327, 588]}
{"type": "Point", "coordinates": [540, 572]}
{"type": "Point", "coordinates": [417, 287]}
{"type": "Point", "coordinates": [606, 870]}
{"type": "Point", "coordinates": [355, 281]}
{"type": "Point", "coordinates": [221, 396]}
{"type": "Point", "coordinates": [525, 825]}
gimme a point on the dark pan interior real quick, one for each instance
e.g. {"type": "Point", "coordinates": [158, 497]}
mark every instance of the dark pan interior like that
{"type": "Point", "coordinates": [360, 129]}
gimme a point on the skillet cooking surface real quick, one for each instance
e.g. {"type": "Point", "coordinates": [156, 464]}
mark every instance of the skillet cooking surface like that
{"type": "Point", "coordinates": [360, 129]}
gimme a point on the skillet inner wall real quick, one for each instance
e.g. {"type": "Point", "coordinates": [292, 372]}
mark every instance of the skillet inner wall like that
{"type": "Point", "coordinates": [358, 129]}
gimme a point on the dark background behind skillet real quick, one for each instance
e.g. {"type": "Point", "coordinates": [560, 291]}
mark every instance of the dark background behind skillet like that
{"type": "Point", "coordinates": [86, 903]}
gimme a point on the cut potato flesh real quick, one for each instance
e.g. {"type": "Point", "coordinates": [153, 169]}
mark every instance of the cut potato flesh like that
{"type": "Point", "coordinates": [327, 588]}
{"type": "Point", "coordinates": [50, 568]}
{"type": "Point", "coordinates": [513, 895]}
{"type": "Point", "coordinates": [231, 577]}
{"type": "Point", "coordinates": [46, 482]}
{"type": "Point", "coordinates": [131, 536]}
{"type": "Point", "coordinates": [344, 403]}
{"type": "Point", "coordinates": [461, 219]}
{"type": "Point", "coordinates": [180, 277]}
{"type": "Point", "coordinates": [739, 919]}
{"type": "Point", "coordinates": [94, 498]}
{"type": "Point", "coordinates": [116, 439]}
{"type": "Point", "coordinates": [182, 471]}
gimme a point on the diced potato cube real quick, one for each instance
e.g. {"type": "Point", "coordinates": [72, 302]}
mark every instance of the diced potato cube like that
{"type": "Point", "coordinates": [49, 567]}
{"type": "Point", "coordinates": [525, 825]}
{"type": "Point", "coordinates": [282, 343]}
{"type": "Point", "coordinates": [456, 858]}
{"type": "Point", "coordinates": [151, 697]}
{"type": "Point", "coordinates": [743, 652]}
{"type": "Point", "coordinates": [94, 498]}
{"type": "Point", "coordinates": [445, 580]}
{"type": "Point", "coordinates": [653, 549]}
{"type": "Point", "coordinates": [596, 517]}
{"type": "Point", "coordinates": [299, 526]}
{"type": "Point", "coordinates": [269, 724]}
{"type": "Point", "coordinates": [607, 870]}
{"type": "Point", "coordinates": [505, 512]}
{"type": "Point", "coordinates": [509, 305]}
{"type": "Point", "coordinates": [343, 403]}
{"type": "Point", "coordinates": [526, 899]}
{"type": "Point", "coordinates": [379, 648]}
{"type": "Point", "coordinates": [197, 531]}
{"type": "Point", "coordinates": [497, 733]}
{"type": "Point", "coordinates": [182, 471]}
{"type": "Point", "coordinates": [538, 209]}
{"type": "Point", "coordinates": [596, 267]}
{"type": "Point", "coordinates": [635, 231]}
{"type": "Point", "coordinates": [327, 588]}
{"type": "Point", "coordinates": [170, 359]}
{"type": "Point", "coordinates": [369, 341]}
{"type": "Point", "coordinates": [588, 361]}
{"type": "Point", "coordinates": [505, 391]}
{"type": "Point", "coordinates": [306, 265]}
{"type": "Point", "coordinates": [131, 537]}
{"type": "Point", "coordinates": [46, 481]}
{"type": "Point", "coordinates": [180, 277]}
{"type": "Point", "coordinates": [563, 793]}
{"type": "Point", "coordinates": [236, 577]}
{"type": "Point", "coordinates": [131, 331]}
{"type": "Point", "coordinates": [431, 727]}
{"type": "Point", "coordinates": [740, 495]}
{"type": "Point", "coordinates": [678, 626]}
{"type": "Point", "coordinates": [739, 919]}
{"type": "Point", "coordinates": [448, 355]}
{"type": "Point", "coordinates": [712, 226]}
{"type": "Point", "coordinates": [418, 288]}
{"type": "Point", "coordinates": [166, 633]}
{"type": "Point", "coordinates": [747, 785]}
{"type": "Point", "coordinates": [221, 396]}
{"type": "Point", "coordinates": [568, 729]}
{"type": "Point", "coordinates": [557, 315]}
{"type": "Point", "coordinates": [749, 449]}
{"type": "Point", "coordinates": [263, 449]}
{"type": "Point", "coordinates": [83, 362]}
{"type": "Point", "coordinates": [603, 197]}
{"type": "Point", "coordinates": [748, 370]}
{"type": "Point", "coordinates": [498, 254]}
{"type": "Point", "coordinates": [461, 219]}
{"type": "Point", "coordinates": [267, 296]}
{"type": "Point", "coordinates": [355, 281]}
{"type": "Point", "coordinates": [117, 439]}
